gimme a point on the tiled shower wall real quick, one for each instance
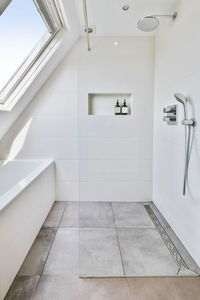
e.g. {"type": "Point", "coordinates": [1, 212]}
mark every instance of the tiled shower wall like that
{"type": "Point", "coordinates": [177, 70]}
{"type": "Point", "coordinates": [98, 158]}
{"type": "Point", "coordinates": [116, 151]}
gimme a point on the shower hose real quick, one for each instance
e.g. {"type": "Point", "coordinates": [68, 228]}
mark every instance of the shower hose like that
{"type": "Point", "coordinates": [188, 149]}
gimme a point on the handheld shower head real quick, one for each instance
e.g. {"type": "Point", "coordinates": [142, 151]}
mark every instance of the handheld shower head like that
{"type": "Point", "coordinates": [182, 99]}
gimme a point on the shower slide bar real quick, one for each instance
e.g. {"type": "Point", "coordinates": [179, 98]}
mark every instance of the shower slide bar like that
{"type": "Point", "coordinates": [86, 23]}
{"type": "Point", "coordinates": [188, 123]}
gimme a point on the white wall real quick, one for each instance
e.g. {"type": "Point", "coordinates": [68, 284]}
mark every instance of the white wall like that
{"type": "Point", "coordinates": [116, 151]}
{"type": "Point", "coordinates": [111, 156]}
{"type": "Point", "coordinates": [178, 70]}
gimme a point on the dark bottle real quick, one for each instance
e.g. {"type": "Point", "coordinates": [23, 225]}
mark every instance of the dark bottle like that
{"type": "Point", "coordinates": [124, 108]}
{"type": "Point", "coordinates": [117, 108]}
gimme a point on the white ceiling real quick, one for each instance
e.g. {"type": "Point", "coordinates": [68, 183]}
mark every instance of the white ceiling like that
{"type": "Point", "coordinates": [110, 20]}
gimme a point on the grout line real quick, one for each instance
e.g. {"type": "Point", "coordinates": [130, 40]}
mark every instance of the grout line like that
{"type": "Point", "coordinates": [106, 227]}
{"type": "Point", "coordinates": [118, 241]}
{"type": "Point", "coordinates": [56, 229]}
{"type": "Point", "coordinates": [41, 274]}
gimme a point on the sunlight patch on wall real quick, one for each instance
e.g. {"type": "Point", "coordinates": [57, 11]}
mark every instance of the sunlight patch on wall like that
{"type": "Point", "coordinates": [19, 141]}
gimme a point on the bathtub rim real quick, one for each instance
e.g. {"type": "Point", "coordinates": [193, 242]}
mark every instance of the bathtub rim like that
{"type": "Point", "coordinates": [7, 197]}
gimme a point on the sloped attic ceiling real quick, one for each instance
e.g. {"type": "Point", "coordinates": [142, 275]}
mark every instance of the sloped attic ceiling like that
{"type": "Point", "coordinates": [7, 119]}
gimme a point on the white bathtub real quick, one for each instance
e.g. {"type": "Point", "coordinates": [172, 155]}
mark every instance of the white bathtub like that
{"type": "Point", "coordinates": [27, 192]}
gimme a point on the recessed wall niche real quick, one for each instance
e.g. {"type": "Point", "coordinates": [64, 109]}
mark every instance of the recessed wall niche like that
{"type": "Point", "coordinates": [104, 104]}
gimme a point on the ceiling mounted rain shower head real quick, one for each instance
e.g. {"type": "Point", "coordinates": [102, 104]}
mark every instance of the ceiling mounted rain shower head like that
{"type": "Point", "coordinates": [148, 24]}
{"type": "Point", "coordinates": [151, 23]}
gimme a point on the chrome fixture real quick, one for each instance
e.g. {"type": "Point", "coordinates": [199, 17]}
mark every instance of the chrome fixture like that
{"type": "Point", "coordinates": [188, 123]}
{"type": "Point", "coordinates": [90, 30]}
{"type": "Point", "coordinates": [182, 99]}
{"type": "Point", "coordinates": [86, 23]}
{"type": "Point", "coordinates": [151, 23]}
{"type": "Point", "coordinates": [126, 7]}
{"type": "Point", "coordinates": [170, 117]}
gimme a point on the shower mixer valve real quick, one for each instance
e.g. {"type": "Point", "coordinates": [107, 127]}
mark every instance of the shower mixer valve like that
{"type": "Point", "coordinates": [170, 115]}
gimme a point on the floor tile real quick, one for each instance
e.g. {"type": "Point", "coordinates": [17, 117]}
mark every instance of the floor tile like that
{"type": "Point", "coordinates": [96, 214]}
{"type": "Point", "coordinates": [144, 253]}
{"type": "Point", "coordinates": [183, 252]}
{"type": "Point", "coordinates": [57, 288]}
{"type": "Point", "coordinates": [70, 216]}
{"type": "Point", "coordinates": [63, 257]}
{"type": "Point", "coordinates": [55, 214]}
{"type": "Point", "coordinates": [131, 215]}
{"type": "Point", "coordinates": [104, 289]}
{"type": "Point", "coordinates": [23, 288]}
{"type": "Point", "coordinates": [99, 253]}
{"type": "Point", "coordinates": [164, 288]}
{"type": "Point", "coordinates": [36, 258]}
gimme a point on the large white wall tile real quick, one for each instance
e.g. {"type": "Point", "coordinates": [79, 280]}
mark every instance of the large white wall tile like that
{"type": "Point", "coordinates": [36, 148]}
{"type": "Point", "coordinates": [54, 126]}
{"type": "Point", "coordinates": [119, 191]}
{"type": "Point", "coordinates": [67, 170]}
{"type": "Point", "coordinates": [67, 190]}
{"type": "Point", "coordinates": [119, 148]}
{"type": "Point", "coordinates": [63, 81]}
{"type": "Point", "coordinates": [119, 169]}
{"type": "Point", "coordinates": [55, 103]}
{"type": "Point", "coordinates": [121, 126]}
{"type": "Point", "coordinates": [110, 126]}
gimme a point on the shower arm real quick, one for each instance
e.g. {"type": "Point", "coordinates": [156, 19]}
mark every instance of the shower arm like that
{"type": "Point", "coordinates": [164, 16]}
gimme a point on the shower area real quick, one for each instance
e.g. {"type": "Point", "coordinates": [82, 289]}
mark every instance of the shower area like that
{"type": "Point", "coordinates": [121, 231]}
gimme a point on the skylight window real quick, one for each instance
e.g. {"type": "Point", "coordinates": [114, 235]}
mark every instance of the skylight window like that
{"type": "Point", "coordinates": [26, 29]}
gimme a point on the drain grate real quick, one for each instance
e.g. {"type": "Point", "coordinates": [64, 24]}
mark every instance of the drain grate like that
{"type": "Point", "coordinates": [168, 242]}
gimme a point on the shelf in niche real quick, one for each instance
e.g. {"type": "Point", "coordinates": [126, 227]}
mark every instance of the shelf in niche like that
{"type": "Point", "coordinates": [101, 104]}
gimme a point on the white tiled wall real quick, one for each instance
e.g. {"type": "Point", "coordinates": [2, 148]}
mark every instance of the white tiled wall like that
{"type": "Point", "coordinates": [116, 151]}
{"type": "Point", "coordinates": [109, 158]}
{"type": "Point", "coordinates": [177, 70]}
{"type": "Point", "coordinates": [119, 191]}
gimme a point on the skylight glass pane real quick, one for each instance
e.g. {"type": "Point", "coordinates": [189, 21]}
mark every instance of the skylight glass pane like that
{"type": "Point", "coordinates": [21, 27]}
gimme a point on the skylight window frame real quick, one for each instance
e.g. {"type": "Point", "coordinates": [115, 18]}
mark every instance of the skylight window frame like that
{"type": "Point", "coordinates": [50, 11]}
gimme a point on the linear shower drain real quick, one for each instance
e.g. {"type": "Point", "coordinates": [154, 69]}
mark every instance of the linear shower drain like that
{"type": "Point", "coordinates": [168, 242]}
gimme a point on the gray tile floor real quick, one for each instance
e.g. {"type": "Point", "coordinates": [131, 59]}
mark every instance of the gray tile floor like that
{"type": "Point", "coordinates": [134, 245]}
{"type": "Point", "coordinates": [101, 240]}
